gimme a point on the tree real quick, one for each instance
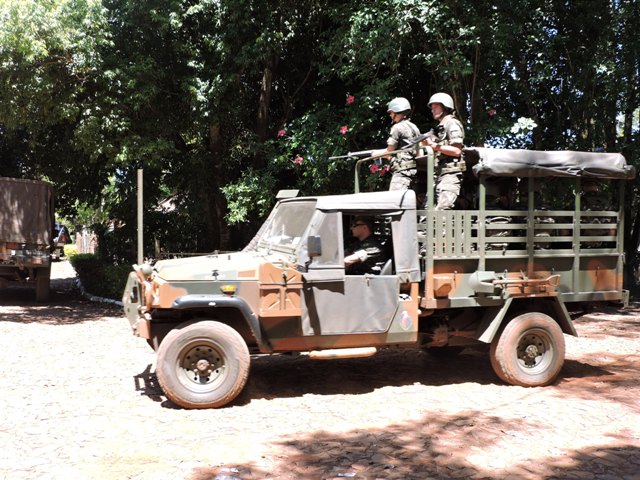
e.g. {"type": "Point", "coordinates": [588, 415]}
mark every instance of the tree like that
{"type": "Point", "coordinates": [223, 103]}
{"type": "Point", "coordinates": [49, 61]}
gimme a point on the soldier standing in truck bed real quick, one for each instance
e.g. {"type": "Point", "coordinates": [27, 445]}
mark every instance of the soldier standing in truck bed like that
{"type": "Point", "coordinates": [403, 164]}
{"type": "Point", "coordinates": [447, 144]}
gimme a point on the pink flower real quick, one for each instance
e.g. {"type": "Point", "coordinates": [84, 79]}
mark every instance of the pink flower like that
{"type": "Point", "coordinates": [344, 129]}
{"type": "Point", "coordinates": [374, 168]}
{"type": "Point", "coordinates": [298, 160]}
{"type": "Point", "coordinates": [491, 112]}
{"type": "Point", "coordinates": [350, 99]}
{"type": "Point", "coordinates": [384, 170]}
{"type": "Point", "coordinates": [282, 133]}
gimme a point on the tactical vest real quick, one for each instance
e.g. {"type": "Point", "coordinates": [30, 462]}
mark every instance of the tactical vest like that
{"type": "Point", "coordinates": [406, 160]}
{"type": "Point", "coordinates": [445, 163]}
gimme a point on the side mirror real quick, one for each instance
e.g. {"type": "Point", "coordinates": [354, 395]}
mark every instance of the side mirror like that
{"type": "Point", "coordinates": [314, 246]}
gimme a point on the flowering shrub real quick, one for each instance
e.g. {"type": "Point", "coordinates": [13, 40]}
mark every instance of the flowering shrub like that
{"type": "Point", "coordinates": [299, 155]}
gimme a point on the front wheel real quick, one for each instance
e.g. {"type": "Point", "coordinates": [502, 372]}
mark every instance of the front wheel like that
{"type": "Point", "coordinates": [530, 351]}
{"type": "Point", "coordinates": [203, 365]}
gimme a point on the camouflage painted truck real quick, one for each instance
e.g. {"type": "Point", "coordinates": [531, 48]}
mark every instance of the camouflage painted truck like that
{"type": "Point", "coordinates": [26, 223]}
{"type": "Point", "coordinates": [510, 279]}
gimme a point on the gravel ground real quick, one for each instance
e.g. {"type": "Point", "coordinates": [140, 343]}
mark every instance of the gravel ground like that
{"type": "Point", "coordinates": [80, 401]}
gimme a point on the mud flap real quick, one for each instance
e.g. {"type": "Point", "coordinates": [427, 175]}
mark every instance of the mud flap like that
{"type": "Point", "coordinates": [491, 321]}
{"type": "Point", "coordinates": [494, 316]}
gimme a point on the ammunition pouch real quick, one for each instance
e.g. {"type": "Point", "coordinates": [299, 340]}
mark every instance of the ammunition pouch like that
{"type": "Point", "coordinates": [401, 165]}
{"type": "Point", "coordinates": [452, 165]}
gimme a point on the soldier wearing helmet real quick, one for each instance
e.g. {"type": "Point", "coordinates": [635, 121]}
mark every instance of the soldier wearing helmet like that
{"type": "Point", "coordinates": [447, 143]}
{"type": "Point", "coordinates": [403, 164]}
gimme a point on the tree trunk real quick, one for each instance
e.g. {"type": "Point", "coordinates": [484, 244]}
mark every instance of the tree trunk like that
{"type": "Point", "coordinates": [266, 89]}
{"type": "Point", "coordinates": [215, 203]}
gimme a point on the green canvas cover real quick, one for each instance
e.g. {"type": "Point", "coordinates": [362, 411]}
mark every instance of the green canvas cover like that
{"type": "Point", "coordinates": [536, 163]}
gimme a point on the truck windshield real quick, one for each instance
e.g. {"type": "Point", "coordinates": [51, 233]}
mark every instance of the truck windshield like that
{"type": "Point", "coordinates": [287, 227]}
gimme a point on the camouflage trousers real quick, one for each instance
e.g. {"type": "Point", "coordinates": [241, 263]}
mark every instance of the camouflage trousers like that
{"type": "Point", "coordinates": [403, 179]}
{"type": "Point", "coordinates": [448, 190]}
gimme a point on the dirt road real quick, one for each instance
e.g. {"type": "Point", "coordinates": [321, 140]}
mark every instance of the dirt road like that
{"type": "Point", "coordinates": [80, 401]}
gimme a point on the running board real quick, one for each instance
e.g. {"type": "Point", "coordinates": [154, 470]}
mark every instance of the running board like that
{"type": "Point", "coordinates": [342, 353]}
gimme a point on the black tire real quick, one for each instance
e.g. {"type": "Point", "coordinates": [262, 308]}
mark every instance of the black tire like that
{"type": "Point", "coordinates": [43, 280]}
{"type": "Point", "coordinates": [444, 352]}
{"type": "Point", "coordinates": [529, 352]}
{"type": "Point", "coordinates": [203, 365]}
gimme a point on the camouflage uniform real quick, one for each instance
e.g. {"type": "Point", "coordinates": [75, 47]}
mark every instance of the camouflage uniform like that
{"type": "Point", "coordinates": [403, 165]}
{"type": "Point", "coordinates": [450, 169]}
{"type": "Point", "coordinates": [371, 254]}
{"type": "Point", "coordinates": [592, 199]}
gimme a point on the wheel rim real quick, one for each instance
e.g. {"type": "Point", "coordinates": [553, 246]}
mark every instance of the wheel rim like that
{"type": "Point", "coordinates": [535, 352]}
{"type": "Point", "coordinates": [201, 366]}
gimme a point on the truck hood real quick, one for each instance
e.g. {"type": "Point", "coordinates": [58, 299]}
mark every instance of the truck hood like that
{"type": "Point", "coordinates": [222, 266]}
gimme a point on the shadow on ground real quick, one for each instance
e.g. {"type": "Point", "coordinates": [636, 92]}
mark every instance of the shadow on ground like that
{"type": "Point", "coordinates": [444, 447]}
{"type": "Point", "coordinates": [65, 307]}
{"type": "Point", "coordinates": [286, 377]}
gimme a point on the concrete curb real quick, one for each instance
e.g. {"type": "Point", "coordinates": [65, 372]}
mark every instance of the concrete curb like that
{"type": "Point", "coordinates": [94, 298]}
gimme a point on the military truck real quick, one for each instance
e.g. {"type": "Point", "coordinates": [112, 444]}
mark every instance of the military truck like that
{"type": "Point", "coordinates": [500, 276]}
{"type": "Point", "coordinates": [26, 227]}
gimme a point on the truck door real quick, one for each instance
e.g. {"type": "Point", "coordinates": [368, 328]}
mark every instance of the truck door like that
{"type": "Point", "coordinates": [335, 303]}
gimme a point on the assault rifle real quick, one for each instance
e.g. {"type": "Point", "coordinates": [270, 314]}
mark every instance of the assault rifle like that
{"type": "Point", "coordinates": [415, 141]}
{"type": "Point", "coordinates": [361, 154]}
{"type": "Point", "coordinates": [409, 144]}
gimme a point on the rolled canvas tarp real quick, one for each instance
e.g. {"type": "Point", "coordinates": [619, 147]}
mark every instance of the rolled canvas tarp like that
{"type": "Point", "coordinates": [536, 163]}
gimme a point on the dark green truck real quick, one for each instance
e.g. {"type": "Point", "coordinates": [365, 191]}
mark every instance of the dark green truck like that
{"type": "Point", "coordinates": [508, 275]}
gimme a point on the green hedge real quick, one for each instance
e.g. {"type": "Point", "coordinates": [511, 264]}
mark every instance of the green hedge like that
{"type": "Point", "coordinates": [100, 278]}
{"type": "Point", "coordinates": [70, 250]}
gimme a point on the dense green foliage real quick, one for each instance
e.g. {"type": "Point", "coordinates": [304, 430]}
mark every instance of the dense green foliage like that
{"type": "Point", "coordinates": [99, 278]}
{"type": "Point", "coordinates": [225, 102]}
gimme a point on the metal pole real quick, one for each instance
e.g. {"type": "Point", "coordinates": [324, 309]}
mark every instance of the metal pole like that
{"type": "Point", "coordinates": [140, 224]}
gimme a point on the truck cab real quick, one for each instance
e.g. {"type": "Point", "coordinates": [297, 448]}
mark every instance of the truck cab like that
{"type": "Point", "coordinates": [449, 282]}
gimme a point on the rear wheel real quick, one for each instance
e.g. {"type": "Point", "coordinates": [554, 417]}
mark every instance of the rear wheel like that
{"type": "Point", "coordinates": [43, 280]}
{"type": "Point", "coordinates": [203, 365]}
{"type": "Point", "coordinates": [529, 352]}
